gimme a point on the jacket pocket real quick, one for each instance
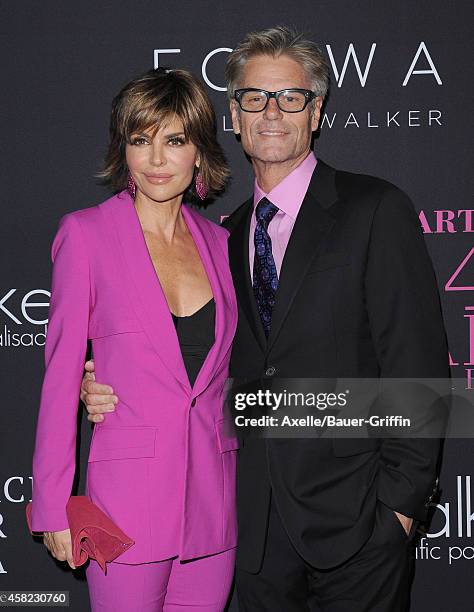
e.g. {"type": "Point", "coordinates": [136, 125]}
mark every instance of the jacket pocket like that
{"type": "Point", "coordinates": [226, 439]}
{"type": "Point", "coordinates": [122, 443]}
{"type": "Point", "coordinates": [345, 447]}
{"type": "Point", "coordinates": [110, 327]}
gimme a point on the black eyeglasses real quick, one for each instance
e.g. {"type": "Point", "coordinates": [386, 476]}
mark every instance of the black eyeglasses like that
{"type": "Point", "coordinates": [252, 100]}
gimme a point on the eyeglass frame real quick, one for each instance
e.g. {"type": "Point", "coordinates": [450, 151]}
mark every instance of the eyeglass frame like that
{"type": "Point", "coordinates": [308, 94]}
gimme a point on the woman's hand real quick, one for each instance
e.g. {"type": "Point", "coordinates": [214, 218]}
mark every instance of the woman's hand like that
{"type": "Point", "coordinates": [59, 545]}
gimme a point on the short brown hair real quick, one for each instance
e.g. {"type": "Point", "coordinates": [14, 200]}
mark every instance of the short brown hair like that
{"type": "Point", "coordinates": [150, 101]}
{"type": "Point", "coordinates": [280, 40]}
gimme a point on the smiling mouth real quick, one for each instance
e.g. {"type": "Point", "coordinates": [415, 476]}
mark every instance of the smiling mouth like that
{"type": "Point", "coordinates": [157, 179]}
{"type": "Point", "coordinates": [272, 133]}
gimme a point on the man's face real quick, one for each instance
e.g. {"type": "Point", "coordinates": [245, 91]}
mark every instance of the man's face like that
{"type": "Point", "coordinates": [272, 135]}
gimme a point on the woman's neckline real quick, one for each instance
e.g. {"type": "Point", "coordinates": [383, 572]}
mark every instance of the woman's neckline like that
{"type": "Point", "coordinates": [194, 313]}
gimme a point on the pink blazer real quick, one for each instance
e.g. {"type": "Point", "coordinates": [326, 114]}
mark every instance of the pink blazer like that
{"type": "Point", "coordinates": [162, 465]}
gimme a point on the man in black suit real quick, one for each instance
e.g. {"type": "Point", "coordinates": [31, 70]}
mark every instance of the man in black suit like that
{"type": "Point", "coordinates": [333, 279]}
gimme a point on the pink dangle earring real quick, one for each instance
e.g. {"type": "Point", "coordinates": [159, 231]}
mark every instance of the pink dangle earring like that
{"type": "Point", "coordinates": [201, 188]}
{"type": "Point", "coordinates": [131, 187]}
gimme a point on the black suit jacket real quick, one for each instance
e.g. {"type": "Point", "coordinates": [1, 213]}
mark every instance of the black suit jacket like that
{"type": "Point", "coordinates": [357, 297]}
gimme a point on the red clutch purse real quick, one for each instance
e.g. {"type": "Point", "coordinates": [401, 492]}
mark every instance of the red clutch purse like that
{"type": "Point", "coordinates": [93, 534]}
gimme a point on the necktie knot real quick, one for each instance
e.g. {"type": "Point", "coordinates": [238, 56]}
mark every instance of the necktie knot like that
{"type": "Point", "coordinates": [265, 212]}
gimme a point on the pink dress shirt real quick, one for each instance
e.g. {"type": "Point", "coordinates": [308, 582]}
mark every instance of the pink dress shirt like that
{"type": "Point", "coordinates": [288, 196]}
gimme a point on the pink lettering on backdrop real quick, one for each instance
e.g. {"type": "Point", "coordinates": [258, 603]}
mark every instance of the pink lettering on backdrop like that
{"type": "Point", "coordinates": [470, 318]}
{"type": "Point", "coordinates": [444, 218]}
{"type": "Point", "coordinates": [469, 287]}
{"type": "Point", "coordinates": [447, 221]}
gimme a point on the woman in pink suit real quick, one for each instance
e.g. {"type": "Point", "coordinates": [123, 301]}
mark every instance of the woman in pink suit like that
{"type": "Point", "coordinates": [146, 279]}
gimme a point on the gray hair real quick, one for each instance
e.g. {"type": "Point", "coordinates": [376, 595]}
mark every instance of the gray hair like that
{"type": "Point", "coordinates": [280, 40]}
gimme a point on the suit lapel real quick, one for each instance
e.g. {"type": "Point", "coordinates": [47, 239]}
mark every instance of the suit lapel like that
{"type": "Point", "coordinates": [239, 263]}
{"type": "Point", "coordinates": [312, 224]}
{"type": "Point", "coordinates": [148, 299]}
{"type": "Point", "coordinates": [221, 283]}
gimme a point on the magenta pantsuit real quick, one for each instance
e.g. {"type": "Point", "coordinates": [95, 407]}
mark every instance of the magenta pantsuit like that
{"type": "Point", "coordinates": [161, 465]}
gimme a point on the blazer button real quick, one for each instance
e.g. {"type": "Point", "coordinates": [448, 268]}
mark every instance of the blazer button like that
{"type": "Point", "coordinates": [193, 403]}
{"type": "Point", "coordinates": [270, 371]}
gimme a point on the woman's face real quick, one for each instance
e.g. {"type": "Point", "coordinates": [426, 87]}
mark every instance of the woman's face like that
{"type": "Point", "coordinates": [162, 166]}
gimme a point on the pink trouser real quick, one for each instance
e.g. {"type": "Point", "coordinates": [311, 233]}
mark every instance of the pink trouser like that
{"type": "Point", "coordinates": [201, 585]}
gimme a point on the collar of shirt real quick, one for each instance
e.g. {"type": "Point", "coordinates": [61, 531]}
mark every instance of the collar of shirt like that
{"type": "Point", "coordinates": [289, 194]}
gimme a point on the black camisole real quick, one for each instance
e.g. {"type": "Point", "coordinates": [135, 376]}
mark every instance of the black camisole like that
{"type": "Point", "coordinates": [196, 336]}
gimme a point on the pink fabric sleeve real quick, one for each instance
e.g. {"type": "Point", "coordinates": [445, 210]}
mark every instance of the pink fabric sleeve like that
{"type": "Point", "coordinates": [65, 350]}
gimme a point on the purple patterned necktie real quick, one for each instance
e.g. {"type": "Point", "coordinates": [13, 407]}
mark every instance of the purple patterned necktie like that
{"type": "Point", "coordinates": [265, 277]}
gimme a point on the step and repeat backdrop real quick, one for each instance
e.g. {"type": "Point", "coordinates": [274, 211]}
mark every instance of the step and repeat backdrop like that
{"type": "Point", "coordinates": [399, 108]}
